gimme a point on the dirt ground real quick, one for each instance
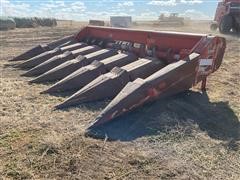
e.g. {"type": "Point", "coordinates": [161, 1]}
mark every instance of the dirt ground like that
{"type": "Point", "coordinates": [188, 136]}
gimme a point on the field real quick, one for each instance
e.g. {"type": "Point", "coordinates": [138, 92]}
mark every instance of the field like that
{"type": "Point", "coordinates": [192, 135]}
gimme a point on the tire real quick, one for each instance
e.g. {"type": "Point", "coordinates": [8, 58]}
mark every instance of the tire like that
{"type": "Point", "coordinates": [225, 25]}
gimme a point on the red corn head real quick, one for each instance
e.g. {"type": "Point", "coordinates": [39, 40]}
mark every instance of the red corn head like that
{"type": "Point", "coordinates": [52, 63]}
{"type": "Point", "coordinates": [110, 84]}
{"type": "Point", "coordinates": [86, 74]}
{"type": "Point", "coordinates": [139, 66]}
{"type": "Point", "coordinates": [67, 68]}
{"type": "Point", "coordinates": [49, 54]}
{"type": "Point", "coordinates": [43, 48]}
{"type": "Point", "coordinates": [170, 80]}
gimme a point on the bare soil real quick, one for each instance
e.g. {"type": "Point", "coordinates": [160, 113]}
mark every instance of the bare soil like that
{"type": "Point", "coordinates": [192, 135]}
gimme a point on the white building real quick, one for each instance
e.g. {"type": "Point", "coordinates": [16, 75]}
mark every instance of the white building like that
{"type": "Point", "coordinates": [121, 21]}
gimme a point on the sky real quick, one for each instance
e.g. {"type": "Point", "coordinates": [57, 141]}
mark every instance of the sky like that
{"type": "Point", "coordinates": [83, 10]}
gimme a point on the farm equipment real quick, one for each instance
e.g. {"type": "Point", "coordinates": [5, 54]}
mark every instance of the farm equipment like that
{"type": "Point", "coordinates": [131, 67]}
{"type": "Point", "coordinates": [172, 20]}
{"type": "Point", "coordinates": [227, 16]}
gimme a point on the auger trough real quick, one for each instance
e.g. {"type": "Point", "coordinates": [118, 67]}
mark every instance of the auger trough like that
{"type": "Point", "coordinates": [130, 67]}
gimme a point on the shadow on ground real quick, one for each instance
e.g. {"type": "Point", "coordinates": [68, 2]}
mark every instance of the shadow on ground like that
{"type": "Point", "coordinates": [217, 119]}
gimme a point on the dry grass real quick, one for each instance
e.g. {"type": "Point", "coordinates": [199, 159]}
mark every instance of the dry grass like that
{"type": "Point", "coordinates": [189, 136]}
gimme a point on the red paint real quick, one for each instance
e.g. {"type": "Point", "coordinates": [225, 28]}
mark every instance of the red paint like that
{"type": "Point", "coordinates": [152, 92]}
{"type": "Point", "coordinates": [161, 40]}
{"type": "Point", "coordinates": [167, 45]}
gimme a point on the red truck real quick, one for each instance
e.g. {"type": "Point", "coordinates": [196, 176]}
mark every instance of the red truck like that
{"type": "Point", "coordinates": [227, 16]}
